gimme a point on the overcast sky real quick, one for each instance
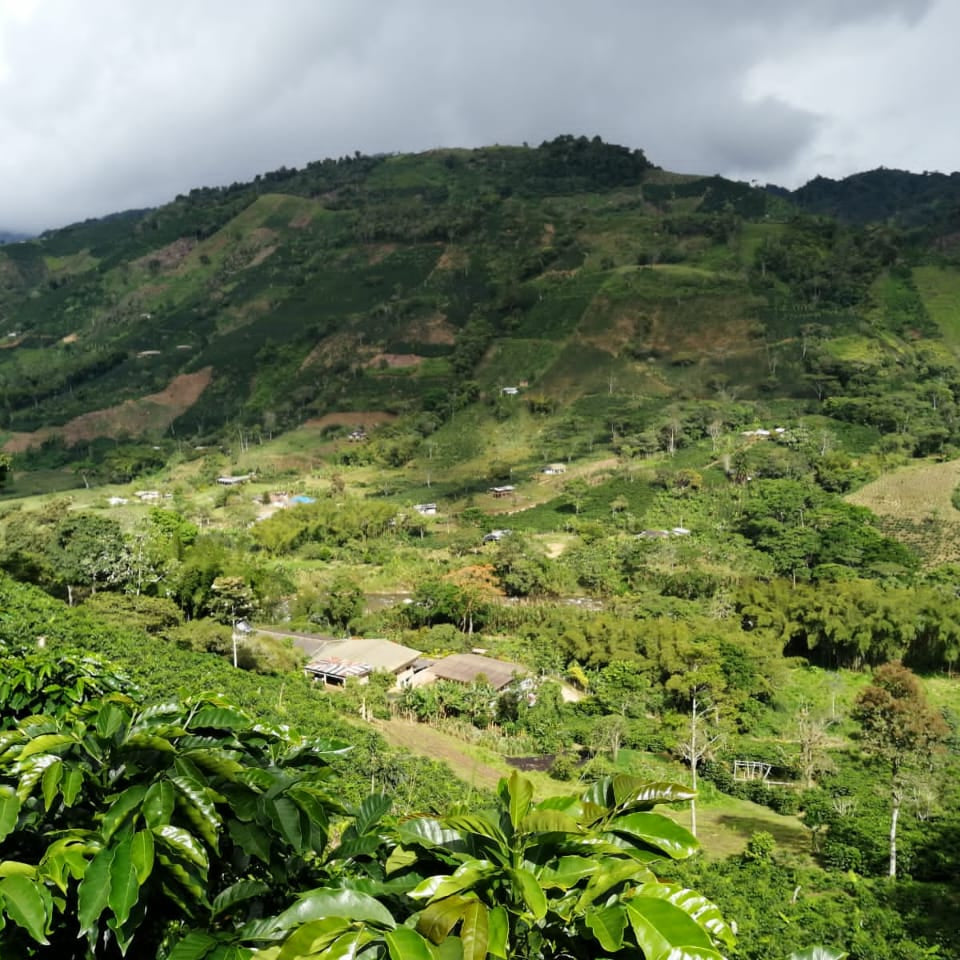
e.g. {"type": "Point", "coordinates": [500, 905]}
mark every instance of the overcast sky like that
{"type": "Point", "coordinates": [112, 104]}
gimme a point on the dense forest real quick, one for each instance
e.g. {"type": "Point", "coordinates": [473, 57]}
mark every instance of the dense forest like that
{"type": "Point", "coordinates": [680, 452]}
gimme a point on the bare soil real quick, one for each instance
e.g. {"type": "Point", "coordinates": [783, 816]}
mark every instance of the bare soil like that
{"type": "Point", "coordinates": [132, 417]}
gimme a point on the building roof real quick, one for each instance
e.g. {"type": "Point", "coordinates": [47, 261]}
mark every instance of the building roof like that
{"type": "Point", "coordinates": [468, 667]}
{"type": "Point", "coordinates": [369, 652]}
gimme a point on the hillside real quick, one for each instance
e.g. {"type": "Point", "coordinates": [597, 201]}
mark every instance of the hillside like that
{"type": "Point", "coordinates": [596, 302]}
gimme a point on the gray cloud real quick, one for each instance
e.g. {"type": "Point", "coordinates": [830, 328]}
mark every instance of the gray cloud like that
{"type": "Point", "coordinates": [111, 104]}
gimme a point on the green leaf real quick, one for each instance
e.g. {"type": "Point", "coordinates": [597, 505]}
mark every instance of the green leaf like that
{"type": "Point", "coordinates": [33, 771]}
{"type": "Point", "coordinates": [517, 793]}
{"type": "Point", "coordinates": [200, 808]}
{"type": "Point", "coordinates": [633, 793]}
{"type": "Point", "coordinates": [252, 839]}
{"type": "Point", "coordinates": [439, 918]}
{"type": "Point", "coordinates": [158, 804]}
{"type": "Point", "coordinates": [9, 813]}
{"type": "Point", "coordinates": [659, 927]}
{"type": "Point", "coordinates": [183, 844]}
{"type": "Point", "coordinates": [45, 744]}
{"type": "Point", "coordinates": [612, 874]}
{"type": "Point", "coordinates": [400, 858]}
{"type": "Point", "coordinates": [658, 831]}
{"type": "Point", "coordinates": [124, 888]}
{"type": "Point", "coordinates": [607, 925]}
{"type": "Point", "coordinates": [498, 930]}
{"type": "Point", "coordinates": [344, 947]}
{"type": "Point", "coordinates": [530, 890]}
{"type": "Point", "coordinates": [120, 809]}
{"type": "Point", "coordinates": [220, 717]}
{"type": "Point", "coordinates": [238, 892]}
{"type": "Point", "coordinates": [443, 885]}
{"type": "Point", "coordinates": [141, 854]}
{"type": "Point", "coordinates": [371, 811]}
{"type": "Point", "coordinates": [286, 816]}
{"type": "Point", "coordinates": [50, 783]}
{"type": "Point", "coordinates": [548, 821]}
{"type": "Point", "coordinates": [194, 946]}
{"type": "Point", "coordinates": [406, 944]}
{"type": "Point", "coordinates": [349, 904]}
{"type": "Point", "coordinates": [14, 868]}
{"type": "Point", "coordinates": [705, 912]}
{"type": "Point", "coordinates": [148, 741]}
{"type": "Point", "coordinates": [474, 931]}
{"type": "Point", "coordinates": [313, 938]}
{"type": "Point", "coordinates": [427, 832]}
{"type": "Point", "coordinates": [110, 719]}
{"type": "Point", "coordinates": [567, 872]}
{"type": "Point", "coordinates": [24, 903]}
{"type": "Point", "coordinates": [692, 953]}
{"type": "Point", "coordinates": [72, 783]}
{"type": "Point", "coordinates": [94, 890]}
{"type": "Point", "coordinates": [478, 823]}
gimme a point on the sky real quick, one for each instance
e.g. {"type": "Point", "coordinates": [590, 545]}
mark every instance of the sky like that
{"type": "Point", "coordinates": [108, 105]}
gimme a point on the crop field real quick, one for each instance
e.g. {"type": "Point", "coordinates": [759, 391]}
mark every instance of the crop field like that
{"type": "Point", "coordinates": [914, 506]}
{"type": "Point", "coordinates": [940, 291]}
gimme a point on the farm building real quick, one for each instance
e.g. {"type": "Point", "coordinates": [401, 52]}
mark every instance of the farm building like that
{"type": "Point", "coordinates": [505, 491]}
{"type": "Point", "coordinates": [468, 668]}
{"type": "Point", "coordinates": [358, 657]}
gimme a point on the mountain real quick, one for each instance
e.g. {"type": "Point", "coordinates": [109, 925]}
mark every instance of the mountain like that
{"type": "Point", "coordinates": [9, 236]}
{"type": "Point", "coordinates": [883, 195]}
{"type": "Point", "coordinates": [616, 298]}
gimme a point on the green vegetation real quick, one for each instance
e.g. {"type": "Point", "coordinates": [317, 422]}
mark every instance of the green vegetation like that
{"type": "Point", "coordinates": [681, 450]}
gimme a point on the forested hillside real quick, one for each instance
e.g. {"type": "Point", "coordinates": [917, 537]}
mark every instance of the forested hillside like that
{"type": "Point", "coordinates": [680, 454]}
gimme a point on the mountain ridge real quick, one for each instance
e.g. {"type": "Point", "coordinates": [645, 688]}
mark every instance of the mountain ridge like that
{"type": "Point", "coordinates": [419, 284]}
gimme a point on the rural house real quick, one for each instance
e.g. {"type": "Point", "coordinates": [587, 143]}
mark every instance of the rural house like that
{"type": "Point", "coordinates": [358, 657]}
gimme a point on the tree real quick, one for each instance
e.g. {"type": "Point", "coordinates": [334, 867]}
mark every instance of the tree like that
{"type": "Point", "coordinates": [90, 551]}
{"type": "Point", "coordinates": [697, 680]}
{"type": "Point", "coordinates": [899, 730]}
{"type": "Point", "coordinates": [232, 600]}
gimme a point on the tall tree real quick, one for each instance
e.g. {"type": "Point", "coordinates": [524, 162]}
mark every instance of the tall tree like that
{"type": "Point", "coordinates": [899, 730]}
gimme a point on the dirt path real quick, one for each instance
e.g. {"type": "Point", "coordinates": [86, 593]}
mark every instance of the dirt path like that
{"type": "Point", "coordinates": [424, 740]}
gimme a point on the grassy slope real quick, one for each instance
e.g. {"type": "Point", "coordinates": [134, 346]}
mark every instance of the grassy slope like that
{"type": "Point", "coordinates": [915, 505]}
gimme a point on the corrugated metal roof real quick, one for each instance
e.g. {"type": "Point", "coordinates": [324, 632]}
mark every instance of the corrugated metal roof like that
{"type": "Point", "coordinates": [372, 652]}
{"type": "Point", "coordinates": [468, 667]}
{"type": "Point", "coordinates": [337, 668]}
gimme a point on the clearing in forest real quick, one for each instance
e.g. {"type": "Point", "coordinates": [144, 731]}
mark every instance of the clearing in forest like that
{"type": "Point", "coordinates": [914, 505]}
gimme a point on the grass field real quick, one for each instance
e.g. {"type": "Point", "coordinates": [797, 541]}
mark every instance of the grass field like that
{"type": "Point", "coordinates": [914, 503]}
{"type": "Point", "coordinates": [723, 829]}
{"type": "Point", "coordinates": [940, 291]}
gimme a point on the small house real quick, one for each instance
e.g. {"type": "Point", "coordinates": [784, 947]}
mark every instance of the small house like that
{"type": "Point", "coordinates": [337, 660]}
{"type": "Point", "coordinates": [504, 491]}
{"type": "Point", "coordinates": [509, 391]}
{"type": "Point", "coordinates": [230, 481]}
{"type": "Point", "coordinates": [426, 509]}
{"type": "Point", "coordinates": [554, 469]}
